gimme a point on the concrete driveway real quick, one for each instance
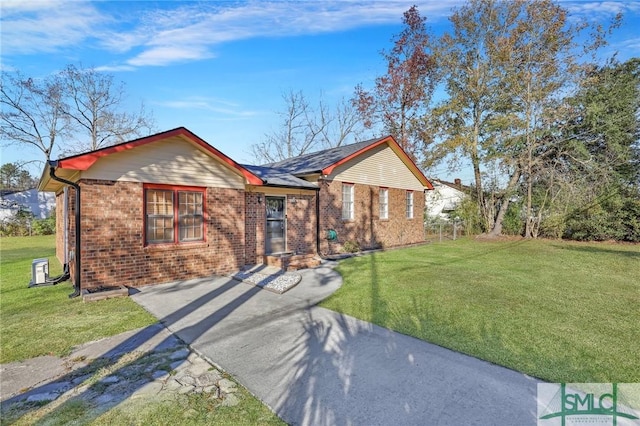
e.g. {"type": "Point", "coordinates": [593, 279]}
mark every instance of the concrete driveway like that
{"type": "Point", "coordinates": [313, 366]}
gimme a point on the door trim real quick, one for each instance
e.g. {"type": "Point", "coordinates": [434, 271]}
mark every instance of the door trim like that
{"type": "Point", "coordinates": [267, 241]}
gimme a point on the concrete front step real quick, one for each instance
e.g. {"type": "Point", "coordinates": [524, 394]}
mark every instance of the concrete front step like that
{"type": "Point", "coordinates": [291, 262]}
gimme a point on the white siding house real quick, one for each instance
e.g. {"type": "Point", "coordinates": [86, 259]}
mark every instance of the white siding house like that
{"type": "Point", "coordinates": [444, 198]}
{"type": "Point", "coordinates": [41, 204]}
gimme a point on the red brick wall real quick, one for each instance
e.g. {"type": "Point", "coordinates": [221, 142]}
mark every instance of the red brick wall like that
{"type": "Point", "coordinates": [113, 249]}
{"type": "Point", "coordinates": [114, 253]}
{"type": "Point", "coordinates": [366, 228]}
{"type": "Point", "coordinates": [255, 227]}
{"type": "Point", "coordinates": [301, 224]}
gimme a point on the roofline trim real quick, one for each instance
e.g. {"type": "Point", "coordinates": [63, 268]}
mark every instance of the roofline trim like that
{"type": "Point", "coordinates": [86, 160]}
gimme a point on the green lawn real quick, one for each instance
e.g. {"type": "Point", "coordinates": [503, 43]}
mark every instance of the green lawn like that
{"type": "Point", "coordinates": [559, 311]}
{"type": "Point", "coordinates": [43, 320]}
{"type": "Point", "coordinates": [40, 321]}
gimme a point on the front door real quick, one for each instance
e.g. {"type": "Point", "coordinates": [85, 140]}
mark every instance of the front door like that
{"type": "Point", "coordinates": [276, 224]}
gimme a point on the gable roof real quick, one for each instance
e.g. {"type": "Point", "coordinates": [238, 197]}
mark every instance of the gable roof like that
{"type": "Point", "coordinates": [457, 186]}
{"type": "Point", "coordinates": [316, 162]}
{"type": "Point", "coordinates": [286, 173]}
{"type": "Point", "coordinates": [324, 162]}
{"type": "Point", "coordinates": [85, 160]}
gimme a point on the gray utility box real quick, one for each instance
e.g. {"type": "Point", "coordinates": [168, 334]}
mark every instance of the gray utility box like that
{"type": "Point", "coordinates": [39, 271]}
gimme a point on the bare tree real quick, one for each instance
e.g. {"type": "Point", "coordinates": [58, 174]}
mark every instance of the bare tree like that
{"type": "Point", "coordinates": [74, 111]}
{"type": "Point", "coordinates": [31, 112]}
{"type": "Point", "coordinates": [304, 129]}
{"type": "Point", "coordinates": [345, 125]}
{"type": "Point", "coordinates": [94, 108]}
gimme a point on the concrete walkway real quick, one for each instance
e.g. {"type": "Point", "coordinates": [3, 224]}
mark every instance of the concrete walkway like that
{"type": "Point", "coordinates": [313, 366]}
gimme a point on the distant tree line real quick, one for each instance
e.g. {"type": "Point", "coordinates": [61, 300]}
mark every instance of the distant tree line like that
{"type": "Point", "coordinates": [14, 177]}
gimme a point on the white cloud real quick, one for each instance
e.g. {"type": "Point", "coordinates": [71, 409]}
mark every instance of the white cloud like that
{"type": "Point", "coordinates": [209, 104]}
{"type": "Point", "coordinates": [169, 53]}
{"type": "Point", "coordinates": [190, 32]}
{"type": "Point", "coordinates": [46, 26]}
{"type": "Point", "coordinates": [175, 32]}
{"type": "Point", "coordinates": [631, 44]}
{"type": "Point", "coordinates": [594, 10]}
{"type": "Point", "coordinates": [115, 68]}
{"type": "Point", "coordinates": [162, 33]}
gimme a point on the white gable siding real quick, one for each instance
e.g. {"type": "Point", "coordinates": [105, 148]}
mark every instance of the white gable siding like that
{"type": "Point", "coordinates": [173, 161]}
{"type": "Point", "coordinates": [378, 167]}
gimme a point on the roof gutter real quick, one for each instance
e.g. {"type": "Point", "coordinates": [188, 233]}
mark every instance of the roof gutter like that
{"type": "Point", "coordinates": [52, 173]}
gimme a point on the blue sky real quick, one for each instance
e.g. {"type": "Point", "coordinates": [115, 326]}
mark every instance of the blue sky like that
{"type": "Point", "coordinates": [220, 68]}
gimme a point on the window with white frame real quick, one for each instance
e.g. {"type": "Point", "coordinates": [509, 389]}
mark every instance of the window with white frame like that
{"type": "Point", "coordinates": [409, 204]}
{"type": "Point", "coordinates": [347, 201]}
{"type": "Point", "coordinates": [173, 214]}
{"type": "Point", "coordinates": [384, 203]}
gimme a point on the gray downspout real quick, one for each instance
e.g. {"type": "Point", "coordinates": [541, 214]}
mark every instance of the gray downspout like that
{"type": "Point", "coordinates": [318, 221]}
{"type": "Point", "coordinates": [52, 173]}
{"type": "Point", "coordinates": [65, 220]}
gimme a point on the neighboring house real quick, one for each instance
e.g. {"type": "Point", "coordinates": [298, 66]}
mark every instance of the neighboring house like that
{"type": "Point", "coordinates": [445, 198]}
{"type": "Point", "coordinates": [171, 207]}
{"type": "Point", "coordinates": [40, 204]}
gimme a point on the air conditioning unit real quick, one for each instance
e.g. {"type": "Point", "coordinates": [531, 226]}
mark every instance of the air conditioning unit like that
{"type": "Point", "coordinates": [39, 272]}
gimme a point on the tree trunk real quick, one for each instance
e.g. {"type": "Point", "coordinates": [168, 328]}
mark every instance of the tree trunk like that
{"type": "Point", "coordinates": [528, 231]}
{"type": "Point", "coordinates": [475, 161]}
{"type": "Point", "coordinates": [497, 225]}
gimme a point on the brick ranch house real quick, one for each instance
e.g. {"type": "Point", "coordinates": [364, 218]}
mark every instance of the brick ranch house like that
{"type": "Point", "coordinates": [170, 207]}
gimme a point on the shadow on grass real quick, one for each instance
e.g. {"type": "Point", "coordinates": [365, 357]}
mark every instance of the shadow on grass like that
{"type": "Point", "coordinates": [340, 370]}
{"type": "Point", "coordinates": [594, 249]}
{"type": "Point", "coordinates": [326, 368]}
{"type": "Point", "coordinates": [186, 298]}
{"type": "Point", "coordinates": [118, 354]}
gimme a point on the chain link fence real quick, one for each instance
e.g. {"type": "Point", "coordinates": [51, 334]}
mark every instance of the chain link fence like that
{"type": "Point", "coordinates": [443, 230]}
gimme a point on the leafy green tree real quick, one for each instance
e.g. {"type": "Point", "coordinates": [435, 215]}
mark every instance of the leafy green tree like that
{"type": "Point", "coordinates": [14, 177]}
{"type": "Point", "coordinates": [505, 67]}
{"type": "Point", "coordinates": [468, 61]}
{"type": "Point", "coordinates": [601, 151]}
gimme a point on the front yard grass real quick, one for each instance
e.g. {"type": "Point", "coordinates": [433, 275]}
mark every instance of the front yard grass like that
{"type": "Point", "coordinates": [43, 320]}
{"type": "Point", "coordinates": [558, 311]}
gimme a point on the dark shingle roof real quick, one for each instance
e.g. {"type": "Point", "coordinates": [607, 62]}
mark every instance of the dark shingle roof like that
{"type": "Point", "coordinates": [278, 177]}
{"type": "Point", "coordinates": [317, 161]}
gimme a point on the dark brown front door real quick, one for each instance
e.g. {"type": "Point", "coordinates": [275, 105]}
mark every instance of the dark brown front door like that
{"type": "Point", "coordinates": [276, 224]}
